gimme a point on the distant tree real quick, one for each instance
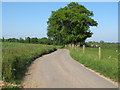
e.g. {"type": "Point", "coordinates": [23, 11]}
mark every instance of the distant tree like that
{"type": "Point", "coordinates": [21, 40]}
{"type": "Point", "coordinates": [27, 39]}
{"type": "Point", "coordinates": [45, 41]}
{"type": "Point", "coordinates": [101, 43]}
{"type": "Point", "coordinates": [70, 24]}
{"type": "Point", "coordinates": [12, 40]}
{"type": "Point", "coordinates": [3, 39]}
{"type": "Point", "coordinates": [34, 40]}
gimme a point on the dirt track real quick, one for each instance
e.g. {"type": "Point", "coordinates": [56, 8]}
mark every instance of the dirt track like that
{"type": "Point", "coordinates": [59, 70]}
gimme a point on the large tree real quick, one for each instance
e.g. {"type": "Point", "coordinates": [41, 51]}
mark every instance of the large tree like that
{"type": "Point", "coordinates": [70, 24]}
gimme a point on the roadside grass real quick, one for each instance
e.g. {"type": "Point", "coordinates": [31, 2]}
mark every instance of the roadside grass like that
{"type": "Point", "coordinates": [16, 57]}
{"type": "Point", "coordinates": [11, 88]}
{"type": "Point", "coordinates": [107, 65]}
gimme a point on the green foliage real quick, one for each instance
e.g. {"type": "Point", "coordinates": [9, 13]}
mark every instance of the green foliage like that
{"type": "Point", "coordinates": [27, 40]}
{"type": "Point", "coordinates": [70, 24]}
{"type": "Point", "coordinates": [11, 88]}
{"type": "Point", "coordinates": [45, 41]}
{"type": "Point", "coordinates": [101, 44]}
{"type": "Point", "coordinates": [21, 40]}
{"type": "Point", "coordinates": [31, 40]}
{"type": "Point", "coordinates": [107, 66]}
{"type": "Point", "coordinates": [34, 40]}
{"type": "Point", "coordinates": [10, 40]}
{"type": "Point", "coordinates": [3, 39]}
{"type": "Point", "coordinates": [18, 56]}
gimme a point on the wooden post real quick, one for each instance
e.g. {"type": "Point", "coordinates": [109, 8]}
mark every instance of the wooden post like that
{"type": "Point", "coordinates": [99, 52]}
{"type": "Point", "coordinates": [83, 48]}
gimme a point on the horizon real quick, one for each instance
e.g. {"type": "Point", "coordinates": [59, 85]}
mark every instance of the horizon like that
{"type": "Point", "coordinates": [28, 19]}
{"type": "Point", "coordinates": [47, 38]}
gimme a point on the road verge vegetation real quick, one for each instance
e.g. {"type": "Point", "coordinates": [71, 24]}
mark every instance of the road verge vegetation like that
{"type": "Point", "coordinates": [16, 57]}
{"type": "Point", "coordinates": [107, 65]}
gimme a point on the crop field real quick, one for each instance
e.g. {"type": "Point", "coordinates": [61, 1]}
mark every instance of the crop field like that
{"type": "Point", "coordinates": [107, 65]}
{"type": "Point", "coordinates": [18, 56]}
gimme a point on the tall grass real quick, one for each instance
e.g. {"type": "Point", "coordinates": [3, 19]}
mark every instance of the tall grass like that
{"type": "Point", "coordinates": [107, 65]}
{"type": "Point", "coordinates": [16, 57]}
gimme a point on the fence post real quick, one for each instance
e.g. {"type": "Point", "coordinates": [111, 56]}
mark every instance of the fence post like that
{"type": "Point", "coordinates": [99, 52]}
{"type": "Point", "coordinates": [83, 48]}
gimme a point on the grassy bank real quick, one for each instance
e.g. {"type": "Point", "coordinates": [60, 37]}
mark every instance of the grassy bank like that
{"type": "Point", "coordinates": [18, 56]}
{"type": "Point", "coordinates": [107, 65]}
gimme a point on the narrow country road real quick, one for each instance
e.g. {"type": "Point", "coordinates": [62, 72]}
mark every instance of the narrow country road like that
{"type": "Point", "coordinates": [59, 70]}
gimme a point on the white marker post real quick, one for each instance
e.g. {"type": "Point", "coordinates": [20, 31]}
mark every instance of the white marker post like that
{"type": "Point", "coordinates": [99, 52]}
{"type": "Point", "coordinates": [83, 48]}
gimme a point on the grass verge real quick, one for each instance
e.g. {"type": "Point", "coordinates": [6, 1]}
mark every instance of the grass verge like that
{"type": "Point", "coordinates": [16, 57]}
{"type": "Point", "coordinates": [107, 65]}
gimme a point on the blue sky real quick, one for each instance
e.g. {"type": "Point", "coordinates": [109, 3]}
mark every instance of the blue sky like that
{"type": "Point", "coordinates": [23, 19]}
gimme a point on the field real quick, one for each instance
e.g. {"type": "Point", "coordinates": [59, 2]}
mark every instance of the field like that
{"type": "Point", "coordinates": [18, 56]}
{"type": "Point", "coordinates": [107, 65]}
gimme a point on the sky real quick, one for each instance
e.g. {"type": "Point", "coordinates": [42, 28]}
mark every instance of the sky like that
{"type": "Point", "coordinates": [23, 19]}
{"type": "Point", "coordinates": [60, 0]}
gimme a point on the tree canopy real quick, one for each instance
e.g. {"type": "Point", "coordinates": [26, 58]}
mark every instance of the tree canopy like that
{"type": "Point", "coordinates": [70, 24]}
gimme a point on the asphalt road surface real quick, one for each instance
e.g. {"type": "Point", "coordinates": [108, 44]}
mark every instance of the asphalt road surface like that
{"type": "Point", "coordinates": [59, 70]}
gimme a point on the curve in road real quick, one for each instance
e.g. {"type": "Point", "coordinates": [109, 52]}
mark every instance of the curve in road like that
{"type": "Point", "coordinates": [59, 70]}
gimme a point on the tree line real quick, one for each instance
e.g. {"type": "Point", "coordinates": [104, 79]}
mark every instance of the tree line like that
{"type": "Point", "coordinates": [48, 41]}
{"type": "Point", "coordinates": [35, 40]}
